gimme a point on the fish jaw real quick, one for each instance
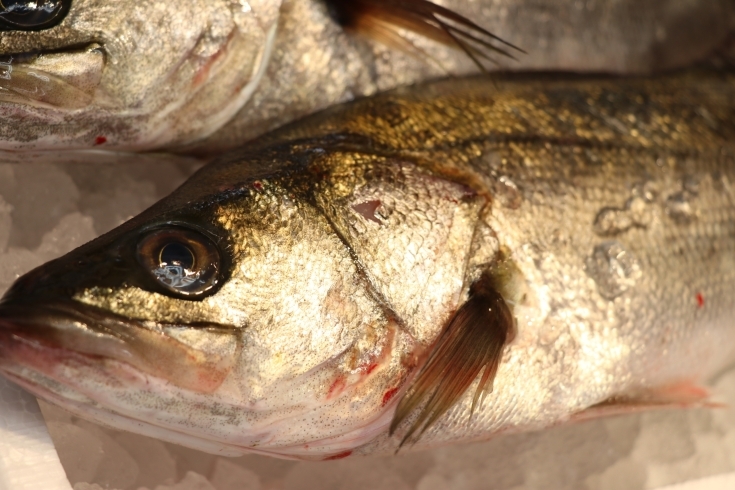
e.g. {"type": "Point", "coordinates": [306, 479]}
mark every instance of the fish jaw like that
{"type": "Point", "coordinates": [55, 375]}
{"type": "Point", "coordinates": [147, 76]}
{"type": "Point", "coordinates": [107, 379]}
{"type": "Point", "coordinates": [198, 360]}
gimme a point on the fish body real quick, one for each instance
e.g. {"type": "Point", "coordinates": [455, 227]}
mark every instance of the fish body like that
{"type": "Point", "coordinates": [140, 75]}
{"type": "Point", "coordinates": [290, 298]}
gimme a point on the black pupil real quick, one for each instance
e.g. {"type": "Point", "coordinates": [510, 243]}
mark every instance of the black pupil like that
{"type": "Point", "coordinates": [29, 6]}
{"type": "Point", "coordinates": [31, 14]}
{"type": "Point", "coordinates": [177, 254]}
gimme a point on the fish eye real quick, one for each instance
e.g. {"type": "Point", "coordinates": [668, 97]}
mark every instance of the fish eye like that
{"type": "Point", "coordinates": [32, 15]}
{"type": "Point", "coordinates": [180, 260]}
{"type": "Point", "coordinates": [177, 254]}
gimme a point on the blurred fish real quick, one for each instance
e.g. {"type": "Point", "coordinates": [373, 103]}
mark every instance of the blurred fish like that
{"type": "Point", "coordinates": [145, 74]}
{"type": "Point", "coordinates": [435, 264]}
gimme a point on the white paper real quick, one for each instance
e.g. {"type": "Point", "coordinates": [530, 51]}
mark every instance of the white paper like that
{"type": "Point", "coordinates": [28, 459]}
{"type": "Point", "coordinates": [719, 482]}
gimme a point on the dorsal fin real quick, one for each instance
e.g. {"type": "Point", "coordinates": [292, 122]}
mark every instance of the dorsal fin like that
{"type": "Point", "coordinates": [472, 342]}
{"type": "Point", "coordinates": [384, 19]}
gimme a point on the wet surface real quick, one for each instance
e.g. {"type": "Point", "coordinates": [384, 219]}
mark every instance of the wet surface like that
{"type": "Point", "coordinates": [614, 269]}
{"type": "Point", "coordinates": [629, 452]}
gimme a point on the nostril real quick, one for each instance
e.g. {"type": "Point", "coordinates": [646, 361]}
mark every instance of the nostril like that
{"type": "Point", "coordinates": [11, 322]}
{"type": "Point", "coordinates": [24, 286]}
{"type": "Point", "coordinates": [4, 324]}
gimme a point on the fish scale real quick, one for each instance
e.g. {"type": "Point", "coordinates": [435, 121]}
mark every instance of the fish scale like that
{"type": "Point", "coordinates": [548, 248]}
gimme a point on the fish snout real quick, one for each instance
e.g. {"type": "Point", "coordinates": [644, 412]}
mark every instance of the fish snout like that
{"type": "Point", "coordinates": [24, 321]}
{"type": "Point", "coordinates": [23, 288]}
{"type": "Point", "coordinates": [28, 337]}
{"type": "Point", "coordinates": [196, 358]}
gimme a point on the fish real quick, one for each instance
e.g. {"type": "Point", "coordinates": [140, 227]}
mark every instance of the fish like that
{"type": "Point", "coordinates": [437, 264]}
{"type": "Point", "coordinates": [206, 76]}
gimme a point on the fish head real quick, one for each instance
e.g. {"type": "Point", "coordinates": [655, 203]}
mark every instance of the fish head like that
{"type": "Point", "coordinates": [228, 317]}
{"type": "Point", "coordinates": [130, 74]}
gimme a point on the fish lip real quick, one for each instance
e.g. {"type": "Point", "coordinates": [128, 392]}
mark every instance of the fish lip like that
{"type": "Point", "coordinates": [110, 418]}
{"type": "Point", "coordinates": [87, 44]}
{"type": "Point", "coordinates": [54, 371]}
{"type": "Point", "coordinates": [16, 313]}
{"type": "Point", "coordinates": [90, 410]}
{"type": "Point", "coordinates": [41, 379]}
{"type": "Point", "coordinates": [45, 386]}
{"type": "Point", "coordinates": [124, 119]}
{"type": "Point", "coordinates": [37, 326]}
{"type": "Point", "coordinates": [78, 329]}
{"type": "Point", "coordinates": [41, 79]}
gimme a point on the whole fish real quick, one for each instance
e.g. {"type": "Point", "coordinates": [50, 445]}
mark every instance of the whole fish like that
{"type": "Point", "coordinates": [436, 264]}
{"type": "Point", "coordinates": [145, 74]}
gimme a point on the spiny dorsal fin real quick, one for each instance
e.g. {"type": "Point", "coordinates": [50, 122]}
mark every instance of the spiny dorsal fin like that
{"type": "Point", "coordinates": [472, 342]}
{"type": "Point", "coordinates": [383, 20]}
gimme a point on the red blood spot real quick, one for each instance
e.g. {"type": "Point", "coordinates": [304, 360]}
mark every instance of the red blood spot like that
{"type": "Point", "coordinates": [100, 140]}
{"type": "Point", "coordinates": [203, 72]}
{"type": "Point", "coordinates": [468, 191]}
{"type": "Point", "coordinates": [700, 300]}
{"type": "Point", "coordinates": [338, 456]}
{"type": "Point", "coordinates": [388, 395]}
{"type": "Point", "coordinates": [337, 386]}
{"type": "Point", "coordinates": [258, 185]}
{"type": "Point", "coordinates": [367, 210]}
{"type": "Point", "coordinates": [371, 368]}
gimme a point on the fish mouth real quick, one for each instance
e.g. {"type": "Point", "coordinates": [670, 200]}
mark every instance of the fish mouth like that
{"type": "Point", "coordinates": [194, 358]}
{"type": "Point", "coordinates": [48, 372]}
{"type": "Point", "coordinates": [87, 361]}
{"type": "Point", "coordinates": [86, 408]}
{"type": "Point", "coordinates": [91, 94]}
{"type": "Point", "coordinates": [66, 79]}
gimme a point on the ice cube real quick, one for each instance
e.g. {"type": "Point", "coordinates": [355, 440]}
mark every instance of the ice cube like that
{"type": "Point", "coordinates": [28, 460]}
{"type": "Point", "coordinates": [191, 481]}
{"type": "Point", "coordinates": [80, 451]}
{"type": "Point", "coordinates": [230, 476]}
{"type": "Point", "coordinates": [89, 486]}
{"type": "Point", "coordinates": [40, 195]}
{"type": "Point", "coordinates": [155, 463]}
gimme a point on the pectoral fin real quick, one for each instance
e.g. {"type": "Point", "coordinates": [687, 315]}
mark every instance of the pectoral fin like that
{"type": "Point", "coordinates": [383, 20]}
{"type": "Point", "coordinates": [471, 343]}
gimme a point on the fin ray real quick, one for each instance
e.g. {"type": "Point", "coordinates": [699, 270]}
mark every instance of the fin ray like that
{"type": "Point", "coordinates": [387, 34]}
{"type": "Point", "coordinates": [685, 394]}
{"type": "Point", "coordinates": [426, 19]}
{"type": "Point", "coordinates": [472, 343]}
